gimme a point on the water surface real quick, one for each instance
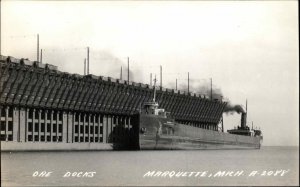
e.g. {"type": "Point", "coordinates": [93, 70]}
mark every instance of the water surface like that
{"type": "Point", "coordinates": [115, 168]}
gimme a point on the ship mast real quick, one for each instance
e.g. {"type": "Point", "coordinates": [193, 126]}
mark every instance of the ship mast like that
{"type": "Point", "coordinates": [246, 113]}
{"type": "Point", "coordinates": [154, 89]}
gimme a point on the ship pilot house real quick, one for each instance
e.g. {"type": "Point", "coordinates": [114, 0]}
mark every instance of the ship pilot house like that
{"type": "Point", "coordinates": [151, 107]}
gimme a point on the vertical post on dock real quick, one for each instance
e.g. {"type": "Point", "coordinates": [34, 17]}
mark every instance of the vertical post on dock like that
{"type": "Point", "coordinates": [38, 47]}
{"type": "Point", "coordinates": [222, 116]}
{"type": "Point", "coordinates": [88, 60]}
{"type": "Point", "coordinates": [41, 56]}
{"type": "Point", "coordinates": [128, 69]}
{"type": "Point", "coordinates": [211, 89]}
{"type": "Point", "coordinates": [84, 67]}
{"type": "Point", "coordinates": [121, 74]}
{"type": "Point", "coordinates": [188, 82]}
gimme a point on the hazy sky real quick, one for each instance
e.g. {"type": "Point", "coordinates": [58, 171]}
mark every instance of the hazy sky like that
{"type": "Point", "coordinates": [249, 49]}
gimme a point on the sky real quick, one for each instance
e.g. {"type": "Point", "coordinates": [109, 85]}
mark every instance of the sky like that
{"type": "Point", "coordinates": [249, 49]}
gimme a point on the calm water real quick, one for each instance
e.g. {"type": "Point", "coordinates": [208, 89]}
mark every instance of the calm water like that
{"type": "Point", "coordinates": [129, 167]}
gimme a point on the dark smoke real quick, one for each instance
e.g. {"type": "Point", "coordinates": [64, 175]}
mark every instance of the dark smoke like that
{"type": "Point", "coordinates": [195, 86]}
{"type": "Point", "coordinates": [216, 93]}
{"type": "Point", "coordinates": [234, 108]}
{"type": "Point", "coordinates": [110, 65]}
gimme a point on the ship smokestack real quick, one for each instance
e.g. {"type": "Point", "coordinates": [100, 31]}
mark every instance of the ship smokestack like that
{"type": "Point", "coordinates": [243, 120]}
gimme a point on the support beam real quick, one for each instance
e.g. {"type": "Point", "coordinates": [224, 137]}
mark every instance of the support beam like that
{"type": "Point", "coordinates": [51, 125]}
{"type": "Point", "coordinates": [101, 125]}
{"type": "Point", "coordinates": [39, 124]}
{"type": "Point", "coordinates": [6, 123]}
{"type": "Point", "coordinates": [79, 127]}
{"type": "Point", "coordinates": [69, 127]}
{"type": "Point", "coordinates": [84, 125]}
{"type": "Point", "coordinates": [22, 125]}
{"type": "Point", "coordinates": [26, 123]}
{"type": "Point", "coordinates": [65, 126]}
{"type": "Point", "coordinates": [109, 129]}
{"type": "Point", "coordinates": [46, 124]}
{"type": "Point", "coordinates": [73, 116]}
{"type": "Point", "coordinates": [33, 125]}
{"type": "Point", "coordinates": [129, 123]}
{"type": "Point", "coordinates": [104, 135]}
{"type": "Point", "coordinates": [89, 128]}
{"type": "Point", "coordinates": [57, 125]}
{"type": "Point", "coordinates": [16, 124]}
{"type": "Point", "coordinates": [94, 124]}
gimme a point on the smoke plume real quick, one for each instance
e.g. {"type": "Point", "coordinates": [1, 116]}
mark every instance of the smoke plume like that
{"type": "Point", "coordinates": [106, 64]}
{"type": "Point", "coordinates": [202, 87]}
{"type": "Point", "coordinates": [230, 108]}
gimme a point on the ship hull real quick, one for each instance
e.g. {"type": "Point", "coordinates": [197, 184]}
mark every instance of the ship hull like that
{"type": "Point", "coordinates": [162, 134]}
{"type": "Point", "coordinates": [185, 143]}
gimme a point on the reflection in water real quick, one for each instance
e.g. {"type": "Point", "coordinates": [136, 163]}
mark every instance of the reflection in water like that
{"type": "Point", "coordinates": [124, 138]}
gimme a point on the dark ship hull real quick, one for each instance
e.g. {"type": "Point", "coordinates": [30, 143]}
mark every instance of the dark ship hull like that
{"type": "Point", "coordinates": [162, 133]}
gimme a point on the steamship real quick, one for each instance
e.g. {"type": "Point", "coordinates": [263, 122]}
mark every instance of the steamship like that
{"type": "Point", "coordinates": [159, 131]}
{"type": "Point", "coordinates": [42, 109]}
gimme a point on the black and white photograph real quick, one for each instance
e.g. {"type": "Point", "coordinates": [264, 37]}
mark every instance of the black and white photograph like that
{"type": "Point", "coordinates": [149, 93]}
